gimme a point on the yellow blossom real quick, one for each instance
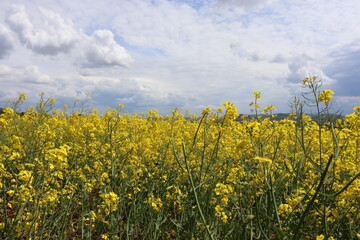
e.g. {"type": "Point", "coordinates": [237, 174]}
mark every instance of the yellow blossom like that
{"type": "Point", "coordinates": [320, 237]}
{"type": "Point", "coordinates": [325, 96]}
{"type": "Point", "coordinates": [25, 175]}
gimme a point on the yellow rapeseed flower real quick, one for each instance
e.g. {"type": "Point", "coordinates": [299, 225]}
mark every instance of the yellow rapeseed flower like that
{"type": "Point", "coordinates": [10, 192]}
{"type": "Point", "coordinates": [320, 237]}
{"type": "Point", "coordinates": [257, 95]}
{"type": "Point", "coordinates": [206, 111]}
{"type": "Point", "coordinates": [25, 175]}
{"type": "Point", "coordinates": [263, 160]}
{"type": "Point", "coordinates": [325, 96]}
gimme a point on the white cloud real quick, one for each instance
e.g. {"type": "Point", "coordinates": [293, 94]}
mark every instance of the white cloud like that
{"type": "Point", "coordinates": [348, 99]}
{"type": "Point", "coordinates": [126, 100]}
{"type": "Point", "coordinates": [256, 55]}
{"type": "Point", "coordinates": [345, 103]}
{"type": "Point", "coordinates": [29, 80]}
{"type": "Point", "coordinates": [4, 70]}
{"type": "Point", "coordinates": [6, 42]}
{"type": "Point", "coordinates": [172, 28]}
{"type": "Point", "coordinates": [242, 3]}
{"type": "Point", "coordinates": [305, 66]}
{"type": "Point", "coordinates": [50, 34]}
{"type": "Point", "coordinates": [25, 75]}
{"type": "Point", "coordinates": [102, 50]}
{"type": "Point", "coordinates": [34, 75]}
{"type": "Point", "coordinates": [138, 94]}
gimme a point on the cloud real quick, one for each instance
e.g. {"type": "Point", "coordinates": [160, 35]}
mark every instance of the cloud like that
{"type": "Point", "coordinates": [242, 3]}
{"type": "Point", "coordinates": [345, 104]}
{"type": "Point", "coordinates": [6, 42]}
{"type": "Point", "coordinates": [245, 53]}
{"type": "Point", "coordinates": [254, 55]}
{"type": "Point", "coordinates": [25, 75]}
{"type": "Point", "coordinates": [344, 66]}
{"type": "Point", "coordinates": [353, 100]}
{"type": "Point", "coordinates": [169, 27]}
{"type": "Point", "coordinates": [35, 76]}
{"type": "Point", "coordinates": [137, 94]}
{"type": "Point", "coordinates": [303, 66]}
{"type": "Point", "coordinates": [102, 50]}
{"type": "Point", "coordinates": [4, 70]}
{"type": "Point", "coordinates": [29, 80]}
{"type": "Point", "coordinates": [50, 34]}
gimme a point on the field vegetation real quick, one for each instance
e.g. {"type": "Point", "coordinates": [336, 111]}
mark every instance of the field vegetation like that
{"type": "Point", "coordinates": [69, 175]}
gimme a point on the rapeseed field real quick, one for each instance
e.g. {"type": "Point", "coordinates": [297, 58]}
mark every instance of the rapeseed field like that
{"type": "Point", "coordinates": [66, 175]}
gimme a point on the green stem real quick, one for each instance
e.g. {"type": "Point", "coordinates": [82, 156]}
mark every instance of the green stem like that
{"type": "Point", "coordinates": [195, 194]}
{"type": "Point", "coordinates": [311, 202]}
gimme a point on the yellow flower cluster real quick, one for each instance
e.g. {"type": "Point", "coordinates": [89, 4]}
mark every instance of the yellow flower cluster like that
{"type": "Point", "coordinates": [257, 94]}
{"type": "Point", "coordinates": [284, 209]}
{"type": "Point", "coordinates": [309, 80]}
{"type": "Point", "coordinates": [231, 112]}
{"type": "Point", "coordinates": [322, 237]}
{"type": "Point", "coordinates": [325, 96]}
{"type": "Point", "coordinates": [155, 203]}
{"type": "Point", "coordinates": [109, 201]}
{"type": "Point", "coordinates": [268, 109]}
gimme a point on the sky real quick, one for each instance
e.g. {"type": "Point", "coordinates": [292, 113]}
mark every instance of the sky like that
{"type": "Point", "coordinates": [189, 54]}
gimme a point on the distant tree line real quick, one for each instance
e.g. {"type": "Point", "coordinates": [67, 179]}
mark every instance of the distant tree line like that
{"type": "Point", "coordinates": [320, 119]}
